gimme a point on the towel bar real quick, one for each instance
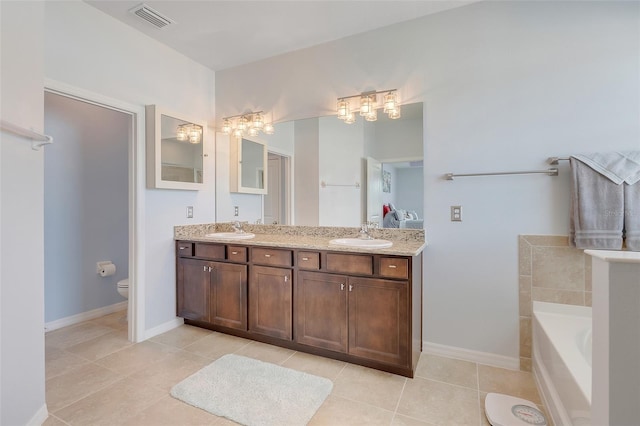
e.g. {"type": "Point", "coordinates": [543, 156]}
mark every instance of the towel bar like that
{"type": "Point", "coordinates": [37, 139]}
{"type": "Point", "coordinates": [548, 172]}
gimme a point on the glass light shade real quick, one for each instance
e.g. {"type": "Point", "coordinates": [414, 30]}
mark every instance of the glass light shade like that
{"type": "Point", "coordinates": [242, 124]}
{"type": "Point", "coordinates": [372, 116]}
{"type": "Point", "coordinates": [343, 109]}
{"type": "Point", "coordinates": [194, 134]}
{"type": "Point", "coordinates": [367, 104]}
{"type": "Point", "coordinates": [181, 134]}
{"type": "Point", "coordinates": [237, 133]}
{"type": "Point", "coordinates": [350, 119]}
{"type": "Point", "coordinates": [253, 131]}
{"type": "Point", "coordinates": [268, 129]}
{"type": "Point", "coordinates": [226, 126]}
{"type": "Point", "coordinates": [258, 121]}
{"type": "Point", "coordinates": [395, 113]}
{"type": "Point", "coordinates": [390, 101]}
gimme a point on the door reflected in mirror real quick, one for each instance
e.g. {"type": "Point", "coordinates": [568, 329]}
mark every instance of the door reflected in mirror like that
{"type": "Point", "coordinates": [252, 164]}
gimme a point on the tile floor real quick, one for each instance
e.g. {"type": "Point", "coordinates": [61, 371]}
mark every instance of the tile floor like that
{"type": "Point", "coordinates": [96, 377]}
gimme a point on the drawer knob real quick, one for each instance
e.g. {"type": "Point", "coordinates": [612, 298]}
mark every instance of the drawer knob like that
{"type": "Point", "coordinates": [183, 248]}
{"type": "Point", "coordinates": [305, 258]}
{"type": "Point", "coordinates": [392, 266]}
{"type": "Point", "coordinates": [267, 255]}
{"type": "Point", "coordinates": [234, 252]}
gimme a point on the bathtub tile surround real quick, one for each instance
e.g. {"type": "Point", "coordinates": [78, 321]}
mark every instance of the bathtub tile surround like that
{"type": "Point", "coordinates": [549, 271]}
{"type": "Point", "coordinates": [444, 391]}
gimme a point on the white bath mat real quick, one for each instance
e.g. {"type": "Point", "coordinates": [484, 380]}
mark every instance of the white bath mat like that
{"type": "Point", "coordinates": [254, 393]}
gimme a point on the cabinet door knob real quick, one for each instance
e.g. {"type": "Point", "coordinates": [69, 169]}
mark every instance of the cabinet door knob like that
{"type": "Point", "coordinates": [267, 255]}
{"type": "Point", "coordinates": [350, 287]}
{"type": "Point", "coordinates": [392, 266]}
{"type": "Point", "coordinates": [204, 268]}
{"type": "Point", "coordinates": [305, 258]}
{"type": "Point", "coordinates": [210, 268]}
{"type": "Point", "coordinates": [341, 286]}
{"type": "Point", "coordinates": [286, 278]}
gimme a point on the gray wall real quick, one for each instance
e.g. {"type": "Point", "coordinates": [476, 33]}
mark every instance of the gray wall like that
{"type": "Point", "coordinates": [86, 205]}
{"type": "Point", "coordinates": [410, 187]}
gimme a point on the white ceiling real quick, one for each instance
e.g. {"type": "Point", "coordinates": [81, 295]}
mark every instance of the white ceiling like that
{"type": "Point", "coordinates": [224, 34]}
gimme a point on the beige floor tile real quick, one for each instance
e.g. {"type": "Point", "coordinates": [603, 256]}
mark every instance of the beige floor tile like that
{"type": "Point", "coordinates": [369, 386]}
{"type": "Point", "coordinates": [264, 352]}
{"type": "Point", "coordinates": [439, 403]}
{"type": "Point", "coordinates": [181, 336]}
{"type": "Point", "coordinates": [225, 422]}
{"type": "Point", "coordinates": [116, 320]}
{"type": "Point", "coordinates": [53, 421]}
{"type": "Point", "coordinates": [112, 405]}
{"type": "Point", "coordinates": [136, 357]}
{"type": "Point", "coordinates": [59, 361]}
{"type": "Point", "coordinates": [216, 345]}
{"type": "Point", "coordinates": [336, 411]}
{"type": "Point", "coordinates": [101, 346]}
{"type": "Point", "coordinates": [453, 371]}
{"type": "Point", "coordinates": [400, 420]}
{"type": "Point", "coordinates": [510, 382]}
{"type": "Point", "coordinates": [74, 334]}
{"type": "Point", "coordinates": [69, 387]}
{"type": "Point", "coordinates": [317, 365]}
{"type": "Point", "coordinates": [170, 370]}
{"type": "Point", "coordinates": [171, 412]}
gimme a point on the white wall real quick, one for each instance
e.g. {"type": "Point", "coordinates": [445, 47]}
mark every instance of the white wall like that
{"type": "Point", "coordinates": [86, 200]}
{"type": "Point", "coordinates": [87, 49]}
{"type": "Point", "coordinates": [409, 187]}
{"type": "Point", "coordinates": [22, 394]}
{"type": "Point", "coordinates": [505, 85]}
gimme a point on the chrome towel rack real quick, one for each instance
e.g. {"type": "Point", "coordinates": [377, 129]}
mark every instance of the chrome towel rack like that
{"type": "Point", "coordinates": [554, 161]}
{"type": "Point", "coordinates": [37, 139]}
{"type": "Point", "coordinates": [324, 184]}
{"type": "Point", "coordinates": [548, 172]}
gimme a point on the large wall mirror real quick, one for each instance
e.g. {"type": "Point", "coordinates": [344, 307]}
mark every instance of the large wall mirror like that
{"type": "Point", "coordinates": [175, 150]}
{"type": "Point", "coordinates": [343, 174]}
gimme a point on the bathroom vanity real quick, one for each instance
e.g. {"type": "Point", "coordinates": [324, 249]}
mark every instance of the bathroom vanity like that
{"type": "Point", "coordinates": [297, 291]}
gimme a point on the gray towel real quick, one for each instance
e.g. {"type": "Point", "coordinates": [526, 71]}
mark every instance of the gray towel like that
{"type": "Point", "coordinates": [632, 216]}
{"type": "Point", "coordinates": [597, 209]}
{"type": "Point", "coordinates": [619, 166]}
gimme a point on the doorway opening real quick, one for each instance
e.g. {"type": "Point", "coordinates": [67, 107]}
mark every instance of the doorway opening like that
{"type": "Point", "coordinates": [277, 201]}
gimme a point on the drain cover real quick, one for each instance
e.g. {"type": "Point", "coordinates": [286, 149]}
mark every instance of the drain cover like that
{"type": "Point", "coordinates": [505, 410]}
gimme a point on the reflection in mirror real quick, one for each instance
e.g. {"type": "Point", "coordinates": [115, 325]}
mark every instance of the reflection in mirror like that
{"type": "Point", "coordinates": [175, 150]}
{"type": "Point", "coordinates": [252, 164]}
{"type": "Point", "coordinates": [330, 166]}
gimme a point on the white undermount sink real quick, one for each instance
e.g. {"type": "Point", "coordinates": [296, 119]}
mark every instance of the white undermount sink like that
{"type": "Point", "coordinates": [231, 235]}
{"type": "Point", "coordinates": [360, 243]}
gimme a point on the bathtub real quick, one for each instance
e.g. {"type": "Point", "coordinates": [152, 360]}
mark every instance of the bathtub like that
{"type": "Point", "coordinates": [562, 361]}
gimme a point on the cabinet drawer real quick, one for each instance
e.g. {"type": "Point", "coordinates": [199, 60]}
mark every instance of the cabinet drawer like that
{"type": "Point", "coordinates": [237, 254]}
{"type": "Point", "coordinates": [210, 251]}
{"type": "Point", "coordinates": [185, 249]}
{"type": "Point", "coordinates": [350, 263]}
{"type": "Point", "coordinates": [394, 267]}
{"type": "Point", "coordinates": [271, 257]}
{"type": "Point", "coordinates": [308, 260]}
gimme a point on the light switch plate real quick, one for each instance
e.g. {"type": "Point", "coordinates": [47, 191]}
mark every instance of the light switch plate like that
{"type": "Point", "coordinates": [189, 212]}
{"type": "Point", "coordinates": [236, 210]}
{"type": "Point", "coordinates": [456, 213]}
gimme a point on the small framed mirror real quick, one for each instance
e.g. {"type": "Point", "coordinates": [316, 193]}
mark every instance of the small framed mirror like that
{"type": "Point", "coordinates": [248, 166]}
{"type": "Point", "coordinates": [175, 150]}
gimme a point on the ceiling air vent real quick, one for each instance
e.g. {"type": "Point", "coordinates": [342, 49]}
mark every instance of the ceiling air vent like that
{"type": "Point", "coordinates": [153, 17]}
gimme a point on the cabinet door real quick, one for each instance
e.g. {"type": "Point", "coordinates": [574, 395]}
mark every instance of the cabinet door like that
{"type": "Point", "coordinates": [270, 301]}
{"type": "Point", "coordinates": [321, 310]}
{"type": "Point", "coordinates": [193, 289]}
{"type": "Point", "coordinates": [378, 320]}
{"type": "Point", "coordinates": [229, 295]}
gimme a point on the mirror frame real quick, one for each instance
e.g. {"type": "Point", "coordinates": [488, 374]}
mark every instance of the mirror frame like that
{"type": "Point", "coordinates": [235, 158]}
{"type": "Point", "coordinates": [153, 122]}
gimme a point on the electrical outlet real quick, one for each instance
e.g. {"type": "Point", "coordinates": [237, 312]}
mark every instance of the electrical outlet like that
{"type": "Point", "coordinates": [189, 212]}
{"type": "Point", "coordinates": [456, 213]}
{"type": "Point", "coordinates": [236, 211]}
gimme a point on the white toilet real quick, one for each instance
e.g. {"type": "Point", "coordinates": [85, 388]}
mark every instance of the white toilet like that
{"type": "Point", "coordinates": [123, 288]}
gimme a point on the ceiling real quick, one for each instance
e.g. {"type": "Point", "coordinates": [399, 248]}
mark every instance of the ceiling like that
{"type": "Point", "coordinates": [224, 34]}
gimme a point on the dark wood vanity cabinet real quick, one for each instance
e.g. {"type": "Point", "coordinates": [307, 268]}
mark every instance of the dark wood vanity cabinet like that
{"type": "Point", "coordinates": [361, 308]}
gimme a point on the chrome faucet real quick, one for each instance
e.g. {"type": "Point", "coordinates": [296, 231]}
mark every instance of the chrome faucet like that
{"type": "Point", "coordinates": [364, 232]}
{"type": "Point", "coordinates": [237, 226]}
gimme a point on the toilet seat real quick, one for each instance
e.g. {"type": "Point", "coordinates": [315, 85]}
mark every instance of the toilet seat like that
{"type": "Point", "coordinates": [123, 287]}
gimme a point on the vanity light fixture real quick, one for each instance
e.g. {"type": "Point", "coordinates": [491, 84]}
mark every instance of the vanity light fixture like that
{"type": "Point", "coordinates": [251, 123]}
{"type": "Point", "coordinates": [369, 106]}
{"type": "Point", "coordinates": [189, 132]}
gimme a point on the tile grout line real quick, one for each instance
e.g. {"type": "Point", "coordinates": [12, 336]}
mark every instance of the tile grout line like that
{"type": "Point", "coordinates": [395, 411]}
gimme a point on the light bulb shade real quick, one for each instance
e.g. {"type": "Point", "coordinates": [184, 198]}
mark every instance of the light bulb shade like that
{"type": "Point", "coordinates": [237, 133]}
{"type": "Point", "coordinates": [226, 126]}
{"type": "Point", "coordinates": [258, 121]}
{"type": "Point", "coordinates": [268, 129]}
{"type": "Point", "coordinates": [181, 133]}
{"type": "Point", "coordinates": [253, 131]}
{"type": "Point", "coordinates": [350, 119]}
{"type": "Point", "coordinates": [390, 102]}
{"type": "Point", "coordinates": [194, 134]}
{"type": "Point", "coordinates": [367, 104]}
{"type": "Point", "coordinates": [242, 124]}
{"type": "Point", "coordinates": [372, 116]}
{"type": "Point", "coordinates": [343, 109]}
{"type": "Point", "coordinates": [394, 114]}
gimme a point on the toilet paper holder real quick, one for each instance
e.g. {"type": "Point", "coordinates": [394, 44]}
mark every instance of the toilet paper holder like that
{"type": "Point", "coordinates": [105, 268]}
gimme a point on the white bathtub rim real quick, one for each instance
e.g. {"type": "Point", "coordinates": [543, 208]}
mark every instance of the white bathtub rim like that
{"type": "Point", "coordinates": [550, 398]}
{"type": "Point", "coordinates": [565, 340]}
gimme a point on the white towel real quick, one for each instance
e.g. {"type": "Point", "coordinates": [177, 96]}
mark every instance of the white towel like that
{"type": "Point", "coordinates": [621, 166]}
{"type": "Point", "coordinates": [597, 209]}
{"type": "Point", "coordinates": [632, 216]}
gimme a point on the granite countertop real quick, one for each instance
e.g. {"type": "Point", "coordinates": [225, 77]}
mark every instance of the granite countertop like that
{"type": "Point", "coordinates": [406, 242]}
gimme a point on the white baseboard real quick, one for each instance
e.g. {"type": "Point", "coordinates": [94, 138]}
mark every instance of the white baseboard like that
{"type": "Point", "coordinates": [39, 417]}
{"type": "Point", "coordinates": [485, 358]}
{"type": "Point", "coordinates": [163, 328]}
{"type": "Point", "coordinates": [85, 316]}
